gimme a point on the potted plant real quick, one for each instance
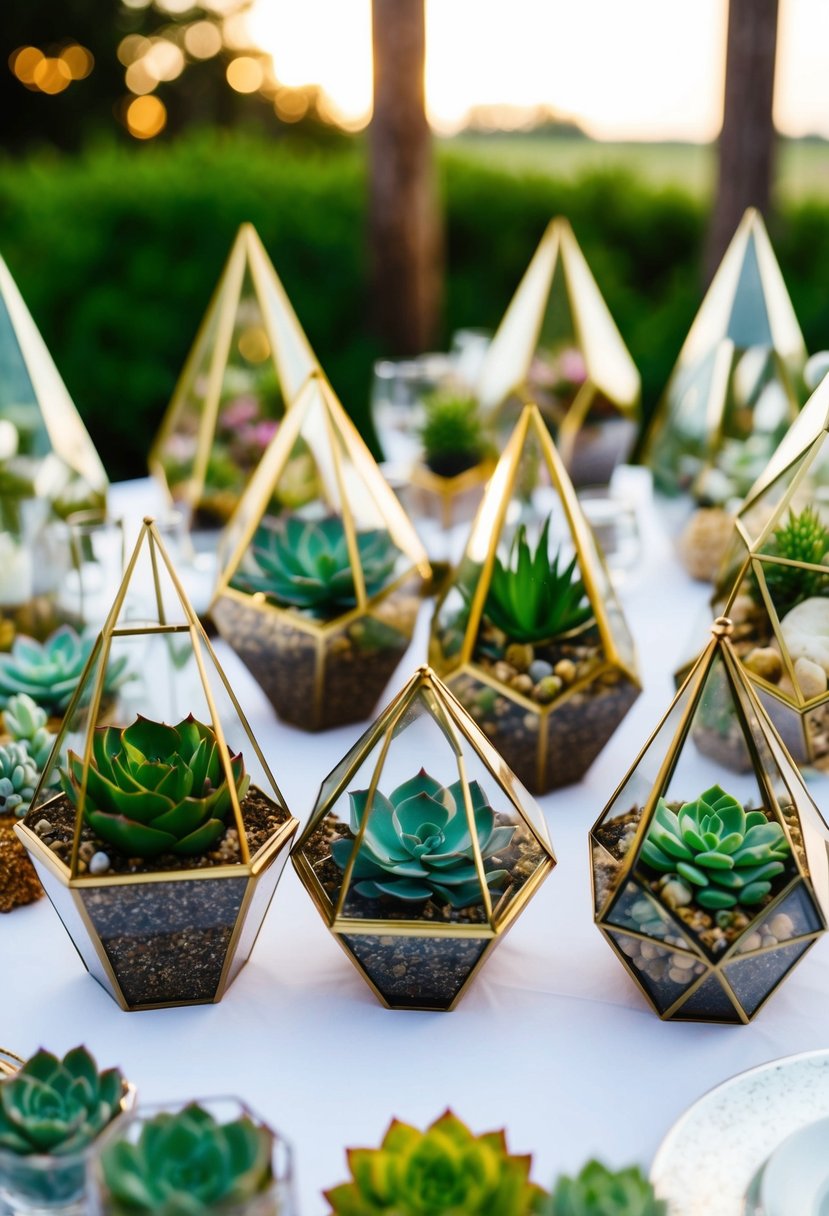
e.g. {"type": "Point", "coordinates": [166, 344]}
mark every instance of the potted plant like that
{"type": "Point", "coordinates": [599, 1191]}
{"type": "Point", "coordinates": [419, 873]}
{"type": "Point", "coordinates": [209, 1156]}
{"type": "Point", "coordinates": [319, 597]}
{"type": "Point", "coordinates": [708, 895]}
{"type": "Point", "coordinates": [447, 482]}
{"type": "Point", "coordinates": [529, 634]}
{"type": "Point", "coordinates": [52, 1113]}
{"type": "Point", "coordinates": [149, 836]}
{"type": "Point", "coordinates": [49, 672]}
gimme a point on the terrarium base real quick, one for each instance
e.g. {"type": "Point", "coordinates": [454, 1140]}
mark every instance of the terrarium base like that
{"type": "Point", "coordinates": [19, 883]}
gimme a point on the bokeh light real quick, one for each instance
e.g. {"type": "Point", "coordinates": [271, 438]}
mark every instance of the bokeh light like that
{"type": "Point", "coordinates": [202, 40]}
{"type": "Point", "coordinates": [23, 63]}
{"type": "Point", "coordinates": [253, 344]}
{"type": "Point", "coordinates": [245, 74]}
{"type": "Point", "coordinates": [132, 47]}
{"type": "Point", "coordinates": [51, 75]}
{"type": "Point", "coordinates": [78, 60]}
{"type": "Point", "coordinates": [164, 60]}
{"type": "Point", "coordinates": [146, 117]}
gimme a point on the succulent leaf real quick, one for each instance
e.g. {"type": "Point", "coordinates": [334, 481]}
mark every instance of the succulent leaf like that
{"type": "Point", "coordinates": [452, 433]}
{"type": "Point", "coordinates": [802, 538]}
{"type": "Point", "coordinates": [18, 779]}
{"type": "Point", "coordinates": [50, 672]}
{"type": "Point", "coordinates": [598, 1191]}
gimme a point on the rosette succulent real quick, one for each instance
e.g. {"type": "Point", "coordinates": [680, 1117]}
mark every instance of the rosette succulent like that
{"type": "Point", "coordinates": [417, 845]}
{"type": "Point", "coordinates": [18, 779]}
{"type": "Point", "coordinates": [724, 855]}
{"type": "Point", "coordinates": [153, 788]}
{"type": "Point", "coordinates": [302, 563]}
{"type": "Point", "coordinates": [57, 1106]}
{"type": "Point", "coordinates": [49, 672]}
{"type": "Point", "coordinates": [598, 1191]}
{"type": "Point", "coordinates": [532, 598]}
{"type": "Point", "coordinates": [444, 1171]}
{"type": "Point", "coordinates": [26, 724]}
{"type": "Point", "coordinates": [188, 1162]}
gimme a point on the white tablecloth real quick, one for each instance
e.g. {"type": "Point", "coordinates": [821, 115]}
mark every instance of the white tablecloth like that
{"type": "Point", "coordinates": [553, 1040]}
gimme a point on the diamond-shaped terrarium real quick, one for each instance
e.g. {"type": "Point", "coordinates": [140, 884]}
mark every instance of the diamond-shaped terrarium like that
{"type": "Point", "coordinates": [738, 381]}
{"type": "Point", "coordinates": [529, 635]}
{"type": "Point", "coordinates": [422, 849]}
{"type": "Point", "coordinates": [558, 346]}
{"type": "Point", "coordinates": [248, 363]}
{"type": "Point", "coordinates": [157, 829]}
{"type": "Point", "coordinates": [710, 885]}
{"type": "Point", "coordinates": [321, 570]}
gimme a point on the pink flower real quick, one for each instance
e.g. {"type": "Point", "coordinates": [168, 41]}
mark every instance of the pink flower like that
{"type": "Point", "coordinates": [571, 366]}
{"type": "Point", "coordinates": [239, 413]}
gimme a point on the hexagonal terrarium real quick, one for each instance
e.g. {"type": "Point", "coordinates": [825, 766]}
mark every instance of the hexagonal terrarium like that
{"type": "Point", "coordinates": [774, 584]}
{"type": "Point", "coordinates": [738, 381]}
{"type": "Point", "coordinates": [249, 361]}
{"type": "Point", "coordinates": [422, 849]}
{"type": "Point", "coordinates": [529, 635]}
{"type": "Point", "coordinates": [321, 570]}
{"type": "Point", "coordinates": [157, 829]}
{"type": "Point", "coordinates": [558, 345]}
{"type": "Point", "coordinates": [706, 882]}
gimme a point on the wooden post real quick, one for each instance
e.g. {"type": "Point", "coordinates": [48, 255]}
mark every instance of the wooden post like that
{"type": "Point", "coordinates": [747, 139]}
{"type": "Point", "coordinates": [405, 233]}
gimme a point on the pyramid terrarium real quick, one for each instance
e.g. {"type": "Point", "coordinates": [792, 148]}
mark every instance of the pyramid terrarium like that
{"type": "Point", "coordinates": [775, 584]}
{"type": "Point", "coordinates": [558, 346]}
{"type": "Point", "coordinates": [709, 885]}
{"type": "Point", "coordinates": [248, 363]}
{"type": "Point", "coordinates": [321, 570]}
{"type": "Point", "coordinates": [422, 849]}
{"type": "Point", "coordinates": [738, 382]}
{"type": "Point", "coordinates": [157, 829]}
{"type": "Point", "coordinates": [529, 635]}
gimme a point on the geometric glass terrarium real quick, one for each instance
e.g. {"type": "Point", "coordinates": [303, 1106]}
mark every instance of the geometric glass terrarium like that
{"type": "Point", "coordinates": [738, 381]}
{"type": "Point", "coordinates": [249, 361]}
{"type": "Point", "coordinates": [774, 583]}
{"type": "Point", "coordinates": [157, 828]}
{"type": "Point", "coordinates": [529, 635]}
{"type": "Point", "coordinates": [320, 570]}
{"type": "Point", "coordinates": [422, 849]}
{"type": "Point", "coordinates": [558, 346]}
{"type": "Point", "coordinates": [709, 885]}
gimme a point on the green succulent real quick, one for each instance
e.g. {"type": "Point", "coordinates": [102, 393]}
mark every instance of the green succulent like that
{"type": "Point", "coordinates": [724, 856]}
{"type": "Point", "coordinates": [18, 779]}
{"type": "Point", "coordinates": [49, 672]}
{"type": "Point", "coordinates": [802, 538]}
{"type": "Point", "coordinates": [598, 1191]}
{"type": "Point", "coordinates": [452, 433]}
{"type": "Point", "coordinates": [57, 1106]}
{"type": "Point", "coordinates": [444, 1171]}
{"type": "Point", "coordinates": [25, 722]}
{"type": "Point", "coordinates": [186, 1163]}
{"type": "Point", "coordinates": [305, 564]}
{"type": "Point", "coordinates": [153, 788]}
{"type": "Point", "coordinates": [417, 844]}
{"type": "Point", "coordinates": [530, 599]}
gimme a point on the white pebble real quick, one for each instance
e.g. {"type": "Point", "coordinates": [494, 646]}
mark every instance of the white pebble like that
{"type": "Point", "coordinates": [98, 863]}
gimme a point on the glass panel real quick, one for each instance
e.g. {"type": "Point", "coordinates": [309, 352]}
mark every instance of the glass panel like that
{"type": "Point", "coordinates": [753, 979]}
{"type": "Point", "coordinates": [257, 910]}
{"type": "Point", "coordinates": [663, 973]}
{"type": "Point", "coordinates": [710, 1003]}
{"type": "Point", "coordinates": [417, 972]}
{"type": "Point", "coordinates": [63, 901]}
{"type": "Point", "coordinates": [794, 917]}
{"type": "Point", "coordinates": [638, 910]}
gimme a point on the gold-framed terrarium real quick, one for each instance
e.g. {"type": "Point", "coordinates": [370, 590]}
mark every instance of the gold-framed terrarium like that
{"type": "Point", "coordinates": [710, 885]}
{"type": "Point", "coordinates": [157, 828]}
{"type": "Point", "coordinates": [558, 346]}
{"type": "Point", "coordinates": [774, 584]}
{"type": "Point", "coordinates": [422, 849]}
{"type": "Point", "coordinates": [320, 570]}
{"type": "Point", "coordinates": [738, 382]}
{"type": "Point", "coordinates": [249, 361]}
{"type": "Point", "coordinates": [529, 634]}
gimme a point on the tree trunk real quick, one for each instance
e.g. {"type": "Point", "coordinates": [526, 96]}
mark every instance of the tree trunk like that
{"type": "Point", "coordinates": [405, 235]}
{"type": "Point", "coordinates": [747, 139]}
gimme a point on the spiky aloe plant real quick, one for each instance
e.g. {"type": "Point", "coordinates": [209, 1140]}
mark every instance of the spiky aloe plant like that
{"type": "Point", "coordinates": [187, 1162]}
{"type": "Point", "coordinates": [802, 538]}
{"type": "Point", "coordinates": [598, 1191]}
{"type": "Point", "coordinates": [444, 1171]}
{"type": "Point", "coordinates": [305, 564]}
{"type": "Point", "coordinates": [153, 788]}
{"type": "Point", "coordinates": [452, 433]}
{"type": "Point", "coordinates": [417, 843]}
{"type": "Point", "coordinates": [725, 856]}
{"type": "Point", "coordinates": [534, 599]}
{"type": "Point", "coordinates": [49, 672]}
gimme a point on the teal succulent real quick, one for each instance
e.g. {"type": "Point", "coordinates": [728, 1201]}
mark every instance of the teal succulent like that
{"type": "Point", "coordinates": [153, 788]}
{"type": "Point", "coordinates": [18, 779]}
{"type": "Point", "coordinates": [532, 598]}
{"type": "Point", "coordinates": [186, 1163]}
{"type": "Point", "coordinates": [57, 1106]}
{"type": "Point", "coordinates": [598, 1191]}
{"type": "Point", "coordinates": [25, 722]}
{"type": "Point", "coordinates": [305, 564]}
{"type": "Point", "coordinates": [417, 843]}
{"type": "Point", "coordinates": [724, 855]}
{"type": "Point", "coordinates": [49, 672]}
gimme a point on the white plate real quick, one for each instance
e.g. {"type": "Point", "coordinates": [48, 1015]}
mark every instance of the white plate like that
{"type": "Point", "coordinates": [707, 1160]}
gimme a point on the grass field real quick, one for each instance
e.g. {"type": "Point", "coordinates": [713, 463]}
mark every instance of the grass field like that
{"type": "Point", "coordinates": [803, 166]}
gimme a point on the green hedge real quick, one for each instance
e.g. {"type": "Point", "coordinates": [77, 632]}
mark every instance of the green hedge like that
{"type": "Point", "coordinates": [117, 251]}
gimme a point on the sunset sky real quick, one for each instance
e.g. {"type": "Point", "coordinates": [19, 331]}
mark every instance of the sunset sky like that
{"type": "Point", "coordinates": [630, 69]}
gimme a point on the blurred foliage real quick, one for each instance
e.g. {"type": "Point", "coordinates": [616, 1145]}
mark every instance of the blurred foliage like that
{"type": "Point", "coordinates": [117, 254]}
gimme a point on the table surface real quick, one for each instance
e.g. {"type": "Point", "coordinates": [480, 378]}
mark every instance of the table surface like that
{"type": "Point", "coordinates": [552, 1041]}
